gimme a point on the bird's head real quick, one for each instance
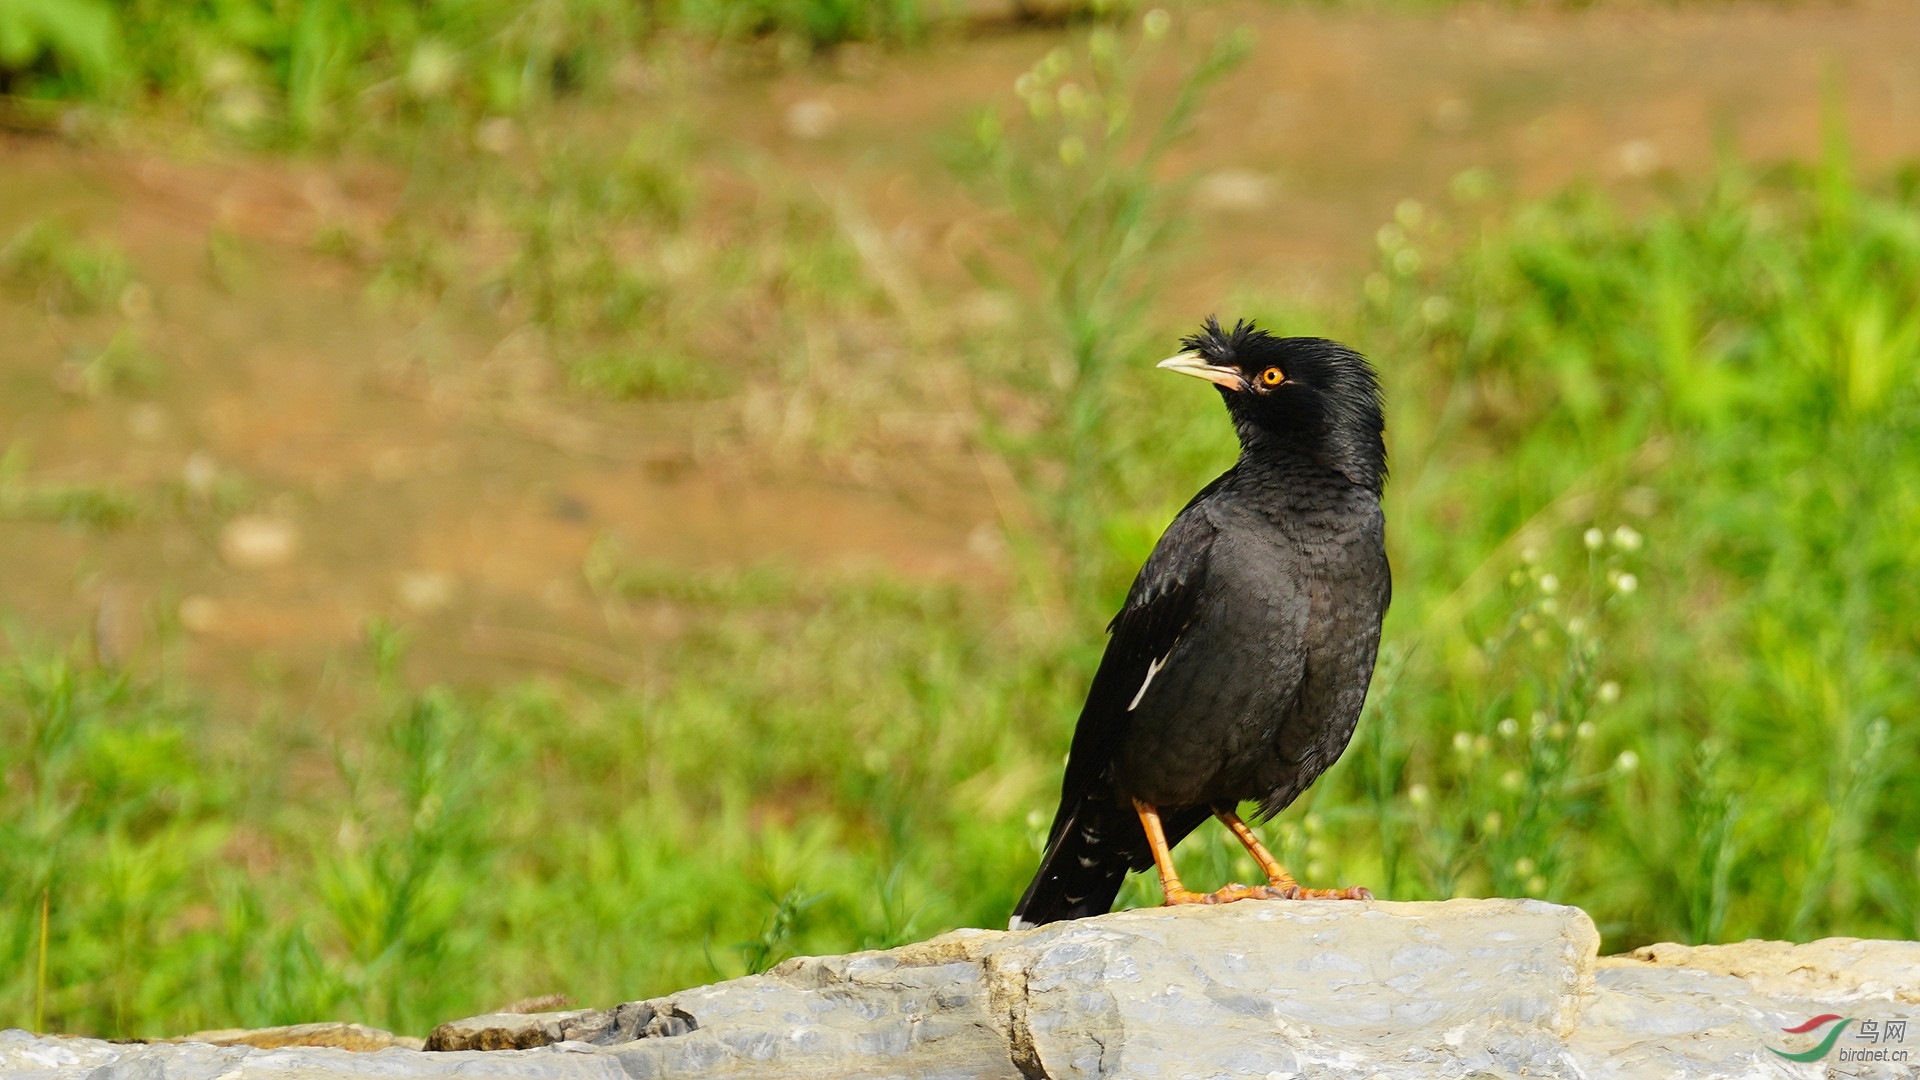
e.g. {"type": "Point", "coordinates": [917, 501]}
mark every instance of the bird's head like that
{"type": "Point", "coordinates": [1306, 395]}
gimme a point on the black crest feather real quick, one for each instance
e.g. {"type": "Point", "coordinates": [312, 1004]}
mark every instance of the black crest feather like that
{"type": "Point", "coordinates": [1224, 346]}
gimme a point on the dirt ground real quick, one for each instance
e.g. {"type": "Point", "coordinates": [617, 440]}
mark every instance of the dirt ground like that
{"type": "Point", "coordinates": [463, 504]}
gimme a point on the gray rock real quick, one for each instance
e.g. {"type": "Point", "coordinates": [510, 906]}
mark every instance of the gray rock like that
{"type": "Point", "coordinates": [524, 1031]}
{"type": "Point", "coordinates": [27, 1057]}
{"type": "Point", "coordinates": [1465, 988]}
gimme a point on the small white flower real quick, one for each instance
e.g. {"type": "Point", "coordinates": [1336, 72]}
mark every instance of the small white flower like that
{"type": "Point", "coordinates": [1462, 742]}
{"type": "Point", "coordinates": [1523, 866]}
{"type": "Point", "coordinates": [1536, 884]}
{"type": "Point", "coordinates": [1627, 583]}
{"type": "Point", "coordinates": [1626, 538]}
{"type": "Point", "coordinates": [1549, 584]}
{"type": "Point", "coordinates": [1418, 795]}
{"type": "Point", "coordinates": [1585, 731]}
{"type": "Point", "coordinates": [1512, 780]}
{"type": "Point", "coordinates": [1627, 761]}
{"type": "Point", "coordinates": [1593, 538]}
{"type": "Point", "coordinates": [1490, 823]}
{"type": "Point", "coordinates": [1539, 720]}
{"type": "Point", "coordinates": [1508, 728]}
{"type": "Point", "coordinates": [1156, 23]}
{"type": "Point", "coordinates": [1608, 693]}
{"type": "Point", "coordinates": [1529, 555]}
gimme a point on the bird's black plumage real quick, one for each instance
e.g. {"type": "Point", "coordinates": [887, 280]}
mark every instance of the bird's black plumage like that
{"type": "Point", "coordinates": [1237, 666]}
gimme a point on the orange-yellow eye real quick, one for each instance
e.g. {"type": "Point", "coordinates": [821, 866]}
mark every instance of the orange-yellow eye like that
{"type": "Point", "coordinates": [1272, 377]}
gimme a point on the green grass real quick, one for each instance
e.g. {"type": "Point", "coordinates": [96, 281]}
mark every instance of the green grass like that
{"type": "Point", "coordinates": [598, 845]}
{"type": "Point", "coordinates": [63, 272]}
{"type": "Point", "coordinates": [306, 71]}
{"type": "Point", "coordinates": [1656, 475]}
{"type": "Point", "coordinates": [1735, 376]}
{"type": "Point", "coordinates": [100, 506]}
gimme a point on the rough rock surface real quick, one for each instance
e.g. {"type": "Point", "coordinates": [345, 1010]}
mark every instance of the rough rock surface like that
{"type": "Point", "coordinates": [1465, 988]}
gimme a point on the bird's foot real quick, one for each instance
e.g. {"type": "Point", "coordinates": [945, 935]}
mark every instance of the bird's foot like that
{"type": "Point", "coordinates": [1177, 897]}
{"type": "Point", "coordinates": [1226, 894]}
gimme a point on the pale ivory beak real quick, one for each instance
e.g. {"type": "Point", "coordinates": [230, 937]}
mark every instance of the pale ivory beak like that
{"type": "Point", "coordinates": [1192, 363]}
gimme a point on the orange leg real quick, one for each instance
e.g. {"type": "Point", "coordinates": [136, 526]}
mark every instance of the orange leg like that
{"type": "Point", "coordinates": [1278, 879]}
{"type": "Point", "coordinates": [1277, 875]}
{"type": "Point", "coordinates": [1177, 893]}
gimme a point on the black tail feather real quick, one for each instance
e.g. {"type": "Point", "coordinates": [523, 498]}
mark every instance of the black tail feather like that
{"type": "Point", "coordinates": [1092, 846]}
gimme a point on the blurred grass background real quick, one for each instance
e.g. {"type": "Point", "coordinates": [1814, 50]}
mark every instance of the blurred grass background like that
{"type": "Point", "coordinates": [1656, 477]}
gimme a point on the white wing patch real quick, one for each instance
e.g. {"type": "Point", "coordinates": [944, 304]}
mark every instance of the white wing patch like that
{"type": "Point", "coordinates": [1152, 670]}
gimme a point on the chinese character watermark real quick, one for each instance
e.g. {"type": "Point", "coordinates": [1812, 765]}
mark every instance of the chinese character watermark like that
{"type": "Point", "coordinates": [1876, 1032]}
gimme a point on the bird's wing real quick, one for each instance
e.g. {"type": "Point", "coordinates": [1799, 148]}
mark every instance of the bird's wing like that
{"type": "Point", "coordinates": [1093, 841]}
{"type": "Point", "coordinates": [1156, 610]}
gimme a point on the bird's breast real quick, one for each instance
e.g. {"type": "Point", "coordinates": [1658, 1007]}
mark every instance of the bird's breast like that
{"type": "Point", "coordinates": [1257, 694]}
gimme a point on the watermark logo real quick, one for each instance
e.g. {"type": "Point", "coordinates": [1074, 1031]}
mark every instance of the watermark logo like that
{"type": "Point", "coordinates": [1874, 1031]}
{"type": "Point", "coordinates": [1825, 1046]}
